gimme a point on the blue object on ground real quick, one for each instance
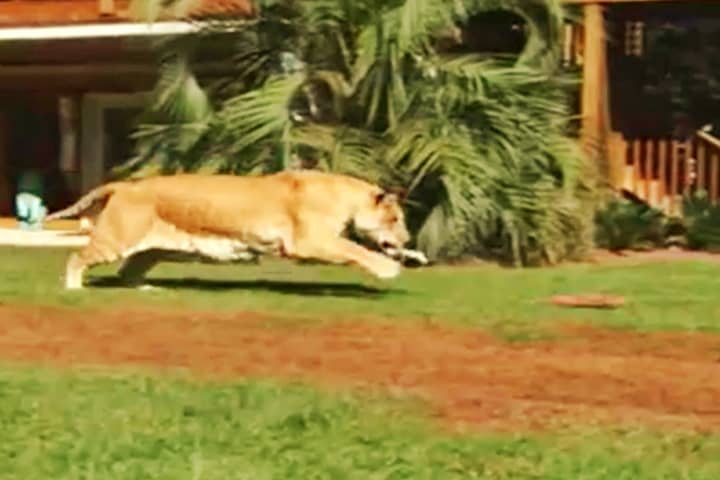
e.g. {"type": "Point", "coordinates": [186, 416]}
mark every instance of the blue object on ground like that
{"type": "Point", "coordinates": [29, 207]}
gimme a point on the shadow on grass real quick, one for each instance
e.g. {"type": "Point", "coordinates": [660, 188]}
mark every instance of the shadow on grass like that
{"type": "Point", "coordinates": [321, 289]}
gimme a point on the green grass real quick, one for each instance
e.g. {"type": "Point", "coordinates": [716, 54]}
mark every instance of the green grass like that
{"type": "Point", "coordinates": [100, 425]}
{"type": "Point", "coordinates": [133, 425]}
{"type": "Point", "coordinates": [515, 302]}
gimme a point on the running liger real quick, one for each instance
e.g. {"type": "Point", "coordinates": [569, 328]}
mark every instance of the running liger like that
{"type": "Point", "coordinates": [225, 218]}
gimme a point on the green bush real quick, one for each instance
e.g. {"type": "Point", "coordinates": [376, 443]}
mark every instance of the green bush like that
{"type": "Point", "coordinates": [624, 224]}
{"type": "Point", "coordinates": [702, 221]}
{"type": "Point", "coordinates": [482, 142]}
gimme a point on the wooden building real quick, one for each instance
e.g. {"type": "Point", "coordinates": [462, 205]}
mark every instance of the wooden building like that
{"type": "Point", "coordinates": [647, 148]}
{"type": "Point", "coordinates": [73, 73]}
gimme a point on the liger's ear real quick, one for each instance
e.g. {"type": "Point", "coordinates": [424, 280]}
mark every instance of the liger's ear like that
{"type": "Point", "coordinates": [399, 192]}
{"type": "Point", "coordinates": [391, 194]}
{"type": "Point", "coordinates": [381, 197]}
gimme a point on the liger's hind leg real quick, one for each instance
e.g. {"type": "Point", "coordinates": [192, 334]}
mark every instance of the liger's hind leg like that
{"type": "Point", "coordinates": [134, 268]}
{"type": "Point", "coordinates": [82, 260]}
{"type": "Point", "coordinates": [113, 235]}
{"type": "Point", "coordinates": [74, 270]}
{"type": "Point", "coordinates": [116, 233]}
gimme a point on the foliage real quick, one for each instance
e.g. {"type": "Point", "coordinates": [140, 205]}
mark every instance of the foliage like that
{"type": "Point", "coordinates": [678, 71]}
{"type": "Point", "coordinates": [366, 88]}
{"type": "Point", "coordinates": [702, 221]}
{"type": "Point", "coordinates": [508, 302]}
{"type": "Point", "coordinates": [625, 224]}
{"type": "Point", "coordinates": [134, 426]}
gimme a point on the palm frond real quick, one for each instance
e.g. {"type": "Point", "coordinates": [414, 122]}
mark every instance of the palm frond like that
{"type": "Point", "coordinates": [480, 141]}
{"type": "Point", "coordinates": [254, 116]}
{"type": "Point", "coordinates": [177, 94]}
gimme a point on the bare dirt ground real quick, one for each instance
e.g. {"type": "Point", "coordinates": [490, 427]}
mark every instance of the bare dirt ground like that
{"type": "Point", "coordinates": [659, 255]}
{"type": "Point", "coordinates": [469, 378]}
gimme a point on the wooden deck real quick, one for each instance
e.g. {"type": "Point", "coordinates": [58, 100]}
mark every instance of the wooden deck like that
{"type": "Point", "coordinates": [661, 171]}
{"type": "Point", "coordinates": [64, 225]}
{"type": "Point", "coordinates": [63, 233]}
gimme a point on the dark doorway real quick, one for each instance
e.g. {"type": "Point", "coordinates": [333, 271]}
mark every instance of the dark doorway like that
{"type": "Point", "coordinates": [119, 124]}
{"type": "Point", "coordinates": [30, 142]}
{"type": "Point", "coordinates": [664, 64]}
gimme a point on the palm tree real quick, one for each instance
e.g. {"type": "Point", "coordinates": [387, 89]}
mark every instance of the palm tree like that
{"type": "Point", "coordinates": [369, 87]}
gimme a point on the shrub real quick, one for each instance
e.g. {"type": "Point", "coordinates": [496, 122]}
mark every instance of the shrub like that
{"type": "Point", "coordinates": [482, 142]}
{"type": "Point", "coordinates": [702, 221]}
{"type": "Point", "coordinates": [625, 224]}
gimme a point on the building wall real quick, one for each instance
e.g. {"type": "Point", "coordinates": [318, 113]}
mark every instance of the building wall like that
{"type": "Point", "coordinates": [25, 13]}
{"type": "Point", "coordinates": [79, 94]}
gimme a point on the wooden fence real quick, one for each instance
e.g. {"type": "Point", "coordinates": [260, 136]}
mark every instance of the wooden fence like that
{"type": "Point", "coordinates": [661, 170]}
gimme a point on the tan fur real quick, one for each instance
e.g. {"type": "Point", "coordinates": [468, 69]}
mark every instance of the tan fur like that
{"type": "Point", "coordinates": [300, 215]}
{"type": "Point", "coordinates": [85, 203]}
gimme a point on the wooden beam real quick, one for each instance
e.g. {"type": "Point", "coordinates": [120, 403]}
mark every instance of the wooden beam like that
{"type": "Point", "coordinates": [595, 109]}
{"type": "Point", "coordinates": [98, 30]}
{"type": "Point", "coordinates": [114, 69]}
{"type": "Point", "coordinates": [59, 86]}
{"type": "Point", "coordinates": [75, 77]}
{"type": "Point", "coordinates": [106, 7]}
{"type": "Point", "coordinates": [66, 70]}
{"type": "Point", "coordinates": [67, 113]}
{"type": "Point", "coordinates": [711, 139]}
{"type": "Point", "coordinates": [6, 194]}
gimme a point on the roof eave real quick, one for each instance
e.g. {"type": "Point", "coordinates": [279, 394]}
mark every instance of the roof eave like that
{"type": "Point", "coordinates": [100, 30]}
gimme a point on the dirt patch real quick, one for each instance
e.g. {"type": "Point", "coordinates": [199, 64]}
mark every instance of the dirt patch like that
{"type": "Point", "coordinates": [661, 255]}
{"type": "Point", "coordinates": [606, 257]}
{"type": "Point", "coordinates": [468, 377]}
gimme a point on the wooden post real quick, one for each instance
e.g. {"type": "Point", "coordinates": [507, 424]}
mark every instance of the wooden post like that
{"type": "Point", "coordinates": [714, 172]}
{"type": "Point", "coordinates": [648, 167]}
{"type": "Point", "coordinates": [91, 143]}
{"type": "Point", "coordinates": [68, 134]}
{"type": "Point", "coordinates": [595, 109]}
{"type": "Point", "coordinates": [617, 159]}
{"type": "Point", "coordinates": [568, 32]}
{"type": "Point", "coordinates": [636, 165]}
{"type": "Point", "coordinates": [675, 182]}
{"type": "Point", "coordinates": [106, 7]}
{"type": "Point", "coordinates": [6, 205]}
{"type": "Point", "coordinates": [662, 168]}
{"type": "Point", "coordinates": [702, 182]}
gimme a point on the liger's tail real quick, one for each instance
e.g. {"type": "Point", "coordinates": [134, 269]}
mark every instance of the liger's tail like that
{"type": "Point", "coordinates": [95, 195]}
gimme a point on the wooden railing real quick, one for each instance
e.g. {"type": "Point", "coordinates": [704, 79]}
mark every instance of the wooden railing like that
{"type": "Point", "coordinates": [661, 170]}
{"type": "Point", "coordinates": [106, 7]}
{"type": "Point", "coordinates": [708, 164]}
{"type": "Point", "coordinates": [573, 45]}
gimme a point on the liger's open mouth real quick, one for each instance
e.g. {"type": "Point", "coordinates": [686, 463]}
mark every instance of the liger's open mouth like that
{"type": "Point", "coordinates": [388, 246]}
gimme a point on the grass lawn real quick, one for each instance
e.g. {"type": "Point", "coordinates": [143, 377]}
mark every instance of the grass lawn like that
{"type": "Point", "coordinates": [680, 296]}
{"type": "Point", "coordinates": [134, 426]}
